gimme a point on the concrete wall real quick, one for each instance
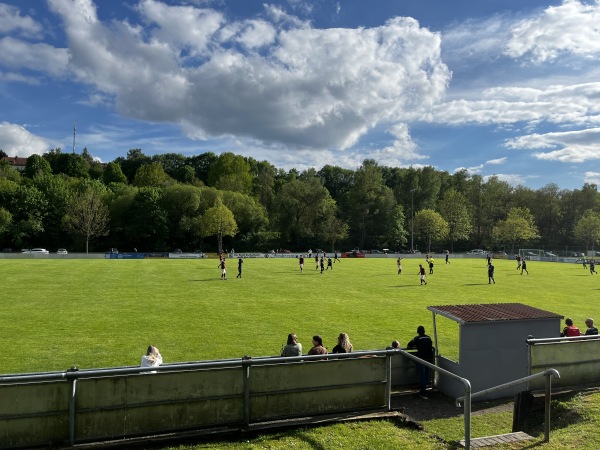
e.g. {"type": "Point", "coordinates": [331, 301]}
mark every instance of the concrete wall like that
{"type": "Point", "coordinates": [110, 404]}
{"type": "Point", "coordinates": [578, 362]}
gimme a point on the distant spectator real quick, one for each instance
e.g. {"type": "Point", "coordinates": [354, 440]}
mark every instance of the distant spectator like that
{"type": "Point", "coordinates": [591, 329]}
{"type": "Point", "coordinates": [570, 329]}
{"type": "Point", "coordinates": [343, 345]}
{"type": "Point", "coordinates": [293, 347]}
{"type": "Point", "coordinates": [317, 348]}
{"type": "Point", "coordinates": [152, 358]}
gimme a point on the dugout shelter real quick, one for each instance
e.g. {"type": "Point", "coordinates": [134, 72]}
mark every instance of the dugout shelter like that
{"type": "Point", "coordinates": [492, 344]}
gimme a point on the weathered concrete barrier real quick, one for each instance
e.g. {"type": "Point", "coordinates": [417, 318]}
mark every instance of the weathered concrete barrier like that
{"type": "Point", "coordinates": [73, 407]}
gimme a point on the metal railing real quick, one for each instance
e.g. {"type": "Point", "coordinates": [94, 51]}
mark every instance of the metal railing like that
{"type": "Point", "coordinates": [547, 373]}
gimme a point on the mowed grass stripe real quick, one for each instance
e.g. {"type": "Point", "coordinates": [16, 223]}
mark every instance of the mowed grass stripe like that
{"type": "Point", "coordinates": [103, 313]}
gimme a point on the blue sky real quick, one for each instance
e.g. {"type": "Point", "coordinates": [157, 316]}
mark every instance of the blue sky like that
{"type": "Point", "coordinates": [498, 87]}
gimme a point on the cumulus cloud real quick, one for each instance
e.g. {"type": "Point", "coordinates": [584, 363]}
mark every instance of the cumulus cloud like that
{"type": "Point", "coordinates": [568, 146]}
{"type": "Point", "coordinates": [17, 141]}
{"type": "Point", "coordinates": [18, 54]}
{"type": "Point", "coordinates": [592, 178]}
{"type": "Point", "coordinates": [568, 28]}
{"type": "Point", "coordinates": [497, 161]}
{"type": "Point", "coordinates": [11, 21]}
{"type": "Point", "coordinates": [293, 85]}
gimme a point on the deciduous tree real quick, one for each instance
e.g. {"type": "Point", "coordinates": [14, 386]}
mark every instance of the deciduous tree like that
{"type": "Point", "coordinates": [218, 221]}
{"type": "Point", "coordinates": [87, 214]}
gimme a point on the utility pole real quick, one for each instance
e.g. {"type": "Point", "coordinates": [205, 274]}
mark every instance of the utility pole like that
{"type": "Point", "coordinates": [412, 219]}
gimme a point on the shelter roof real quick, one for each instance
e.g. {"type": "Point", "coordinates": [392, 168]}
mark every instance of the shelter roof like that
{"type": "Point", "coordinates": [492, 312]}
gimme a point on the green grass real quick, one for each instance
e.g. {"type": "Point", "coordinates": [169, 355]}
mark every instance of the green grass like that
{"type": "Point", "coordinates": [104, 313]}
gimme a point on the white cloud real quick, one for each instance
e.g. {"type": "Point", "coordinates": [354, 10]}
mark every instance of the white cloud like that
{"type": "Point", "coordinates": [306, 88]}
{"type": "Point", "coordinates": [592, 178]}
{"type": "Point", "coordinates": [17, 141]}
{"type": "Point", "coordinates": [497, 161]}
{"type": "Point", "coordinates": [568, 28]}
{"type": "Point", "coordinates": [512, 179]}
{"type": "Point", "coordinates": [18, 54]}
{"type": "Point", "coordinates": [11, 21]}
{"type": "Point", "coordinates": [568, 146]}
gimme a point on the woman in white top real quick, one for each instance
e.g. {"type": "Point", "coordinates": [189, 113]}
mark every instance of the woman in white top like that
{"type": "Point", "coordinates": [152, 358]}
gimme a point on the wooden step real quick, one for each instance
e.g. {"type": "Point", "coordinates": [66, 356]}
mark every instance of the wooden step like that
{"type": "Point", "coordinates": [488, 441]}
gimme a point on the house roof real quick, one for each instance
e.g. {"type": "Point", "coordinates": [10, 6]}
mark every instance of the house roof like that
{"type": "Point", "coordinates": [492, 312]}
{"type": "Point", "coordinates": [16, 160]}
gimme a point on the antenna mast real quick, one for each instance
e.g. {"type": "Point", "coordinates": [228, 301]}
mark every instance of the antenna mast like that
{"type": "Point", "coordinates": [74, 133]}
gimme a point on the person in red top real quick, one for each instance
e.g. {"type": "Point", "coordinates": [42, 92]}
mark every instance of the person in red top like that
{"type": "Point", "coordinates": [570, 329]}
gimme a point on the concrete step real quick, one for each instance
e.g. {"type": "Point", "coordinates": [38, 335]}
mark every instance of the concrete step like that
{"type": "Point", "coordinates": [488, 441]}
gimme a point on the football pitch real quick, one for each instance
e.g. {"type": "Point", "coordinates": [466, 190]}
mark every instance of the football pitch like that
{"type": "Point", "coordinates": [96, 313]}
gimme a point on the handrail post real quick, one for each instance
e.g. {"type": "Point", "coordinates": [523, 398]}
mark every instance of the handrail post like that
{"type": "Point", "coordinates": [72, 405]}
{"type": "Point", "coordinates": [467, 414]}
{"type": "Point", "coordinates": [547, 406]}
{"type": "Point", "coordinates": [388, 385]}
{"type": "Point", "coordinates": [246, 360]}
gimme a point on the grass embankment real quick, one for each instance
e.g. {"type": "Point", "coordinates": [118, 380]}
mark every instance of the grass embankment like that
{"type": "Point", "coordinates": [102, 313]}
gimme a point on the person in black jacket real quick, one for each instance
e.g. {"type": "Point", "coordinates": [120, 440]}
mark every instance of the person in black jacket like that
{"type": "Point", "coordinates": [424, 347]}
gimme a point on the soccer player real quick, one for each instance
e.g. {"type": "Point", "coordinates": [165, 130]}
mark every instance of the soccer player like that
{"type": "Point", "coordinates": [301, 261]}
{"type": "Point", "coordinates": [491, 273]}
{"type": "Point", "coordinates": [399, 264]}
{"type": "Point", "coordinates": [223, 267]}
{"type": "Point", "coordinates": [240, 262]}
{"type": "Point", "coordinates": [524, 267]}
{"type": "Point", "coordinates": [329, 264]}
{"type": "Point", "coordinates": [422, 273]}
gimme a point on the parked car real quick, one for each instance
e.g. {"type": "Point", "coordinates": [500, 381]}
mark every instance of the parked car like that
{"type": "Point", "coordinates": [62, 251]}
{"type": "Point", "coordinates": [476, 251]}
{"type": "Point", "coordinates": [42, 251]}
{"type": "Point", "coordinates": [552, 255]}
{"type": "Point", "coordinates": [7, 250]}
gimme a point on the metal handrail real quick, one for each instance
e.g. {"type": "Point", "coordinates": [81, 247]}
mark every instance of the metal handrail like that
{"type": "Point", "coordinates": [547, 373]}
{"type": "Point", "coordinates": [534, 341]}
{"type": "Point", "coordinates": [464, 381]}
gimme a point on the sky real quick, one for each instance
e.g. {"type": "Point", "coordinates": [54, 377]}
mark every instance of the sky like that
{"type": "Point", "coordinates": [509, 88]}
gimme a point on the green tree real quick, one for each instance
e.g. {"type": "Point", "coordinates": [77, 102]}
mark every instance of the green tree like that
{"type": "Point", "coordinates": [519, 226]}
{"type": "Point", "coordinates": [28, 207]}
{"type": "Point", "coordinates": [396, 233]}
{"type": "Point", "coordinates": [230, 173]}
{"type": "Point", "coordinates": [113, 174]}
{"type": "Point", "coordinates": [36, 165]}
{"type": "Point", "coordinates": [87, 214]}
{"type": "Point", "coordinates": [134, 160]}
{"type": "Point", "coordinates": [151, 174]}
{"type": "Point", "coordinates": [587, 229]}
{"type": "Point", "coordinates": [454, 208]}
{"type": "Point", "coordinates": [430, 226]}
{"type": "Point", "coordinates": [5, 220]}
{"type": "Point", "coordinates": [218, 221]}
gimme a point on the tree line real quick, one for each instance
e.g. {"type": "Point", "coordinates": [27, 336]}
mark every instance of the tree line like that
{"type": "Point", "coordinates": [212, 202]}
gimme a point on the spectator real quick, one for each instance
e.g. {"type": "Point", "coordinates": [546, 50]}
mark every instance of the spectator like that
{"type": "Point", "coordinates": [591, 329]}
{"type": "Point", "coordinates": [293, 347]}
{"type": "Point", "coordinates": [424, 347]}
{"type": "Point", "coordinates": [395, 344]}
{"type": "Point", "coordinates": [152, 358]}
{"type": "Point", "coordinates": [570, 329]}
{"type": "Point", "coordinates": [317, 348]}
{"type": "Point", "coordinates": [343, 345]}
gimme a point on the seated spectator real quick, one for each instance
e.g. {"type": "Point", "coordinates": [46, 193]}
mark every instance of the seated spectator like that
{"type": "Point", "coordinates": [570, 329]}
{"type": "Point", "coordinates": [152, 358]}
{"type": "Point", "coordinates": [293, 347]}
{"type": "Point", "coordinates": [317, 348]}
{"type": "Point", "coordinates": [591, 329]}
{"type": "Point", "coordinates": [343, 345]}
{"type": "Point", "coordinates": [395, 344]}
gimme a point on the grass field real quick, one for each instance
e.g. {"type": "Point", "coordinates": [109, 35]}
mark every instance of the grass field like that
{"type": "Point", "coordinates": [103, 313]}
